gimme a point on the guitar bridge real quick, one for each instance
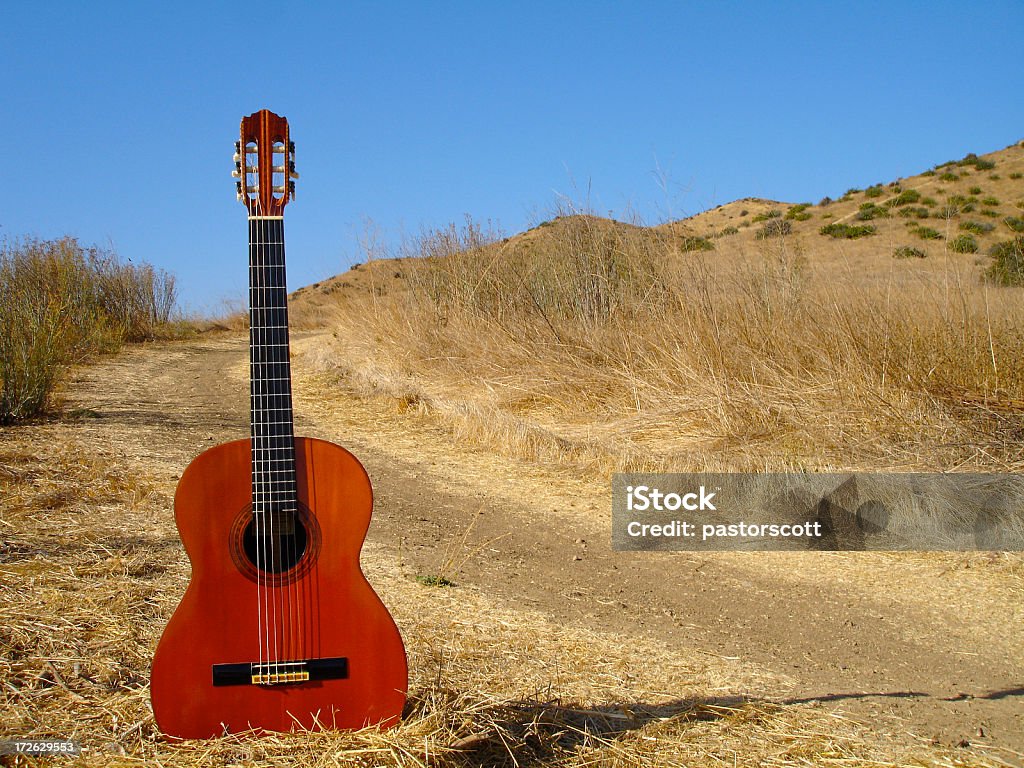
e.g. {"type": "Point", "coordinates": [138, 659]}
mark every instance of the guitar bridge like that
{"type": "Point", "coordinates": [280, 672]}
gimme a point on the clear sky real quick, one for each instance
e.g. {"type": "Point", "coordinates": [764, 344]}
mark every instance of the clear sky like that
{"type": "Point", "coordinates": [119, 119]}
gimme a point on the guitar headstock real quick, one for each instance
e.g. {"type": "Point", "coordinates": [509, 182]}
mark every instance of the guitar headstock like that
{"type": "Point", "coordinates": [265, 164]}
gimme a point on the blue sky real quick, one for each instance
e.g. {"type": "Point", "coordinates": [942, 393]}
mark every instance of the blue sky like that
{"type": "Point", "coordinates": [119, 118]}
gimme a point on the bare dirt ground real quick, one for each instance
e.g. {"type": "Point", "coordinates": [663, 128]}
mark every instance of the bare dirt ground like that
{"type": "Point", "coordinates": [919, 648]}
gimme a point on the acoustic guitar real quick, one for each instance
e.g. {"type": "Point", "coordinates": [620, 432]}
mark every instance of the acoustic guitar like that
{"type": "Point", "coordinates": [278, 629]}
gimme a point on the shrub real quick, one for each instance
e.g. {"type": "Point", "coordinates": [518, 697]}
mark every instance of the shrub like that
{"type": "Point", "coordinates": [948, 177]}
{"type": "Point", "coordinates": [774, 228]}
{"type": "Point", "coordinates": [728, 231]}
{"type": "Point", "coordinates": [798, 212]}
{"type": "Point", "coordinates": [876, 191]}
{"type": "Point", "coordinates": [1015, 223]}
{"type": "Point", "coordinates": [697, 243]}
{"type": "Point", "coordinates": [977, 227]}
{"type": "Point", "coordinates": [771, 214]}
{"type": "Point", "coordinates": [990, 213]}
{"type": "Point", "coordinates": [927, 233]}
{"type": "Point", "coordinates": [929, 201]}
{"type": "Point", "coordinates": [964, 244]}
{"type": "Point", "coordinates": [825, 201]}
{"type": "Point", "coordinates": [1016, 175]}
{"type": "Point", "coordinates": [1007, 267]}
{"type": "Point", "coordinates": [912, 212]}
{"type": "Point", "coordinates": [983, 165]}
{"type": "Point", "coordinates": [869, 211]}
{"type": "Point", "coordinates": [991, 201]}
{"type": "Point", "coordinates": [906, 252]}
{"type": "Point", "coordinates": [847, 231]}
{"type": "Point", "coordinates": [929, 172]}
{"type": "Point", "coordinates": [975, 190]}
{"type": "Point", "coordinates": [906, 197]}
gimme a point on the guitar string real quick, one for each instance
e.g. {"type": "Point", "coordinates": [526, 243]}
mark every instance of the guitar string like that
{"type": "Point", "coordinates": [266, 374]}
{"type": "Point", "coordinates": [291, 471]}
{"type": "Point", "coordinates": [270, 366]}
{"type": "Point", "coordinates": [257, 522]}
{"type": "Point", "coordinates": [258, 406]}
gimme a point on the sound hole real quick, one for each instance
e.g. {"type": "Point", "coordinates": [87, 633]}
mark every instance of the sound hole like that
{"type": "Point", "coordinates": [274, 543]}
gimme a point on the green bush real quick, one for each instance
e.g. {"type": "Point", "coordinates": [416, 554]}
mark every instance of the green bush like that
{"type": "Point", "coordinates": [990, 201]}
{"type": "Point", "coordinates": [914, 212]}
{"type": "Point", "coordinates": [964, 244]}
{"type": "Point", "coordinates": [990, 213]}
{"type": "Point", "coordinates": [1015, 223]}
{"type": "Point", "coordinates": [869, 211]}
{"type": "Point", "coordinates": [948, 177]}
{"type": "Point", "coordinates": [847, 231]}
{"type": "Point", "coordinates": [975, 190]}
{"type": "Point", "coordinates": [906, 252]}
{"type": "Point", "coordinates": [927, 233]}
{"type": "Point", "coordinates": [772, 214]}
{"type": "Point", "coordinates": [696, 243]}
{"type": "Point", "coordinates": [876, 191]}
{"type": "Point", "coordinates": [928, 173]}
{"type": "Point", "coordinates": [728, 231]}
{"type": "Point", "coordinates": [774, 228]}
{"type": "Point", "coordinates": [929, 201]}
{"type": "Point", "coordinates": [1007, 267]}
{"type": "Point", "coordinates": [906, 197]}
{"type": "Point", "coordinates": [1016, 175]}
{"type": "Point", "coordinates": [798, 212]}
{"type": "Point", "coordinates": [977, 227]}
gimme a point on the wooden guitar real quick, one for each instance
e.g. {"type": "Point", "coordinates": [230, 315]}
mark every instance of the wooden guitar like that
{"type": "Point", "coordinates": [279, 629]}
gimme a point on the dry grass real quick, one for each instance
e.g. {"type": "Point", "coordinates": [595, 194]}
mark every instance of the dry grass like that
{"type": "Point", "coordinates": [603, 345]}
{"type": "Point", "coordinates": [61, 303]}
{"type": "Point", "coordinates": [90, 570]}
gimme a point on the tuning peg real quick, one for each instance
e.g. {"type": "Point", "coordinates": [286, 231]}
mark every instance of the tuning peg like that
{"type": "Point", "coordinates": [238, 190]}
{"type": "Point", "coordinates": [237, 158]}
{"type": "Point", "coordinates": [291, 189]}
{"type": "Point", "coordinates": [238, 147]}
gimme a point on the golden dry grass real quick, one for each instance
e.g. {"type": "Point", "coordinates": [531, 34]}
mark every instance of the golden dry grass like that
{"type": "Point", "coordinates": [90, 570]}
{"type": "Point", "coordinates": [636, 357]}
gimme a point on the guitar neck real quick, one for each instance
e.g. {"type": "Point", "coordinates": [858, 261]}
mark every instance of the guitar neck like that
{"type": "Point", "coordinates": [272, 430]}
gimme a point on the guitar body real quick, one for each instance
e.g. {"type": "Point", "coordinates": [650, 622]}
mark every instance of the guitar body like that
{"type": "Point", "coordinates": [233, 614]}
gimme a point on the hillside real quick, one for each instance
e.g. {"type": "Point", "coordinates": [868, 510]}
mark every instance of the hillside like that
{"type": "Point", "coordinates": [962, 207]}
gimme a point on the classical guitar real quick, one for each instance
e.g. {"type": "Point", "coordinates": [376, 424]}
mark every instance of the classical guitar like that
{"type": "Point", "coordinates": [278, 629]}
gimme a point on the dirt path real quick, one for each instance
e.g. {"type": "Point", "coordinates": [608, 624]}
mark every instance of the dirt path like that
{"type": "Point", "coordinates": [918, 646]}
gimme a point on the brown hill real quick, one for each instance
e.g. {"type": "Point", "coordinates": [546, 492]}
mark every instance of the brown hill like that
{"type": "Point", "coordinates": [959, 208]}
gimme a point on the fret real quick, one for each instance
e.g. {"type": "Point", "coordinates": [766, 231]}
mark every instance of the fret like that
{"type": "Point", "coordinates": [270, 398]}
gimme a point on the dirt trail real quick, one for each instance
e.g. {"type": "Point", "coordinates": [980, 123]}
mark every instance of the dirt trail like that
{"type": "Point", "coordinates": [917, 646]}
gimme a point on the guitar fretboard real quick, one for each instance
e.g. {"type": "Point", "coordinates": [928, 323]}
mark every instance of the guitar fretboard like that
{"type": "Point", "coordinates": [273, 436]}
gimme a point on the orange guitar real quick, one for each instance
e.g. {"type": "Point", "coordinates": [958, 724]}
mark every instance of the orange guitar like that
{"type": "Point", "coordinates": [278, 629]}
